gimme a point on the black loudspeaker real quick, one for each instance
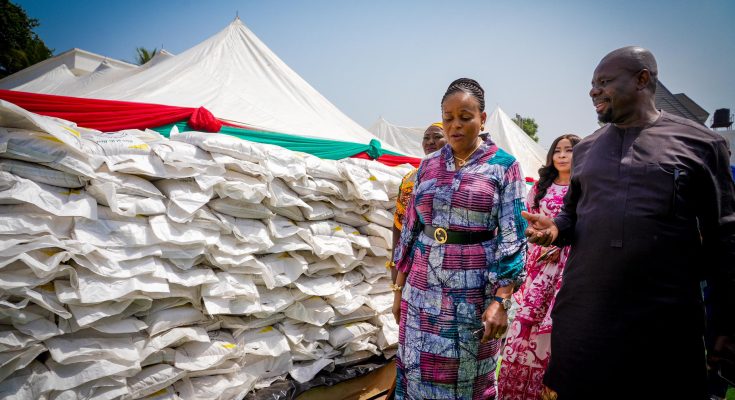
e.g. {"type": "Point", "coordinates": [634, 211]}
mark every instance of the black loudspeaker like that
{"type": "Point", "coordinates": [721, 119]}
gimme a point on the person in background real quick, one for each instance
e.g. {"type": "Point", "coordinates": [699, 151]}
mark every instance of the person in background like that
{"type": "Point", "coordinates": [649, 213]}
{"type": "Point", "coordinates": [729, 152]}
{"type": "Point", "coordinates": [527, 347]}
{"type": "Point", "coordinates": [459, 258]}
{"type": "Point", "coordinates": [432, 141]}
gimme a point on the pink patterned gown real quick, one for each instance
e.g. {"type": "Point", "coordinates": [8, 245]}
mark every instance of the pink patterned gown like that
{"type": "Point", "coordinates": [527, 349]}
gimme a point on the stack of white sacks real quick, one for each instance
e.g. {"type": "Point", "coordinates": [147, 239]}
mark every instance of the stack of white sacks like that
{"type": "Point", "coordinates": [198, 267]}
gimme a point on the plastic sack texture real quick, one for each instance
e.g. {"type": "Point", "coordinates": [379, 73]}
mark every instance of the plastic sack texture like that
{"type": "Point", "coordinates": [199, 266]}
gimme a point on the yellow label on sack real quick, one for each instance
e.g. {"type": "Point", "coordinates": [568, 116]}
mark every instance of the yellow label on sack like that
{"type": "Point", "coordinates": [266, 329]}
{"type": "Point", "coordinates": [337, 228]}
{"type": "Point", "coordinates": [284, 255]}
{"type": "Point", "coordinates": [139, 146]}
{"type": "Point", "coordinates": [156, 394]}
{"type": "Point", "coordinates": [229, 345]}
{"type": "Point", "coordinates": [372, 178]}
{"type": "Point", "coordinates": [355, 232]}
{"type": "Point", "coordinates": [50, 138]}
{"type": "Point", "coordinates": [70, 192]}
{"type": "Point", "coordinates": [50, 252]}
{"type": "Point", "coordinates": [47, 286]}
{"type": "Point", "coordinates": [73, 132]}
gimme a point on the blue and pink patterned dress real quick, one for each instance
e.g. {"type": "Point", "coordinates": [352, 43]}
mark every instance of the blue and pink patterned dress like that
{"type": "Point", "coordinates": [449, 286]}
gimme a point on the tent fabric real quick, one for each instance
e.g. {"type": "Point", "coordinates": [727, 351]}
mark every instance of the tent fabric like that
{"type": "Point", "coordinates": [62, 81]}
{"type": "Point", "coordinates": [235, 76]}
{"type": "Point", "coordinates": [322, 148]}
{"type": "Point", "coordinates": [406, 139]}
{"type": "Point", "coordinates": [511, 138]}
{"type": "Point", "coordinates": [107, 115]}
{"type": "Point", "coordinates": [50, 81]}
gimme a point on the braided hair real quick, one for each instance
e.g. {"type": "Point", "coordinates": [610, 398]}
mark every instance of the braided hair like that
{"type": "Point", "coordinates": [469, 86]}
{"type": "Point", "coordinates": [548, 172]}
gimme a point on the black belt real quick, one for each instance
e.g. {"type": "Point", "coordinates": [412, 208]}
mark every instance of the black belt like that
{"type": "Point", "coordinates": [444, 236]}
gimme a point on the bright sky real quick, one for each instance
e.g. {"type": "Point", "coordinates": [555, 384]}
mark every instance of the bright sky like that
{"type": "Point", "coordinates": [395, 58]}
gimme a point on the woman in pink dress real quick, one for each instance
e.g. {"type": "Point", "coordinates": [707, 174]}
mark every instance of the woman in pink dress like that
{"type": "Point", "coordinates": [527, 348]}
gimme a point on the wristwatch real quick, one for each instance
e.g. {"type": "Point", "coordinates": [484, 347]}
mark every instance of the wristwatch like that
{"type": "Point", "coordinates": [506, 303]}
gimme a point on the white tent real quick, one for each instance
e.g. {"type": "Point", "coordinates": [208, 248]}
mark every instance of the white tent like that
{"type": "Point", "coordinates": [236, 77]}
{"type": "Point", "coordinates": [511, 138]}
{"type": "Point", "coordinates": [106, 74]}
{"type": "Point", "coordinates": [49, 82]}
{"type": "Point", "coordinates": [406, 139]}
{"type": "Point", "coordinates": [504, 132]}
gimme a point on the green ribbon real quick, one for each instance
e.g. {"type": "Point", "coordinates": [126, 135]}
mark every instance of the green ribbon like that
{"type": "Point", "coordinates": [322, 148]}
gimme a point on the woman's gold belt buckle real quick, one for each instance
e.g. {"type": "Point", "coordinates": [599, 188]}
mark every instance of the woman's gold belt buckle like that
{"type": "Point", "coordinates": [440, 235]}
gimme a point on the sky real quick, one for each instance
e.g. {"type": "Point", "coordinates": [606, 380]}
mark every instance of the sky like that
{"type": "Point", "coordinates": [396, 58]}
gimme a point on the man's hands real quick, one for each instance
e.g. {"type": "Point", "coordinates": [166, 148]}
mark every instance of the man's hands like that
{"type": "Point", "coordinates": [541, 229]}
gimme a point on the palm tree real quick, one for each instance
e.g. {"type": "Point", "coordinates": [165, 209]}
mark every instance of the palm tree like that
{"type": "Point", "coordinates": [144, 55]}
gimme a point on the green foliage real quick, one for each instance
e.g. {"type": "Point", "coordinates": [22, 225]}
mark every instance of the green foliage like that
{"type": "Point", "coordinates": [528, 125]}
{"type": "Point", "coordinates": [20, 47]}
{"type": "Point", "coordinates": [143, 55]}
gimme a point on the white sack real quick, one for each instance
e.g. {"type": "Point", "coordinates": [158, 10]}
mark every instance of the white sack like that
{"type": "Point", "coordinates": [306, 371]}
{"type": "Point", "coordinates": [174, 338]}
{"type": "Point", "coordinates": [265, 341]}
{"type": "Point", "coordinates": [85, 346]}
{"type": "Point", "coordinates": [185, 197]}
{"type": "Point", "coordinates": [41, 174]}
{"type": "Point", "coordinates": [30, 220]}
{"type": "Point", "coordinates": [198, 356]}
{"type": "Point", "coordinates": [240, 209]}
{"type": "Point", "coordinates": [343, 334]}
{"type": "Point", "coordinates": [63, 202]}
{"type": "Point", "coordinates": [152, 379]}
{"type": "Point", "coordinates": [110, 229]}
{"type": "Point", "coordinates": [45, 149]}
{"type": "Point", "coordinates": [164, 320]}
{"type": "Point", "coordinates": [241, 187]}
{"type": "Point", "coordinates": [313, 310]}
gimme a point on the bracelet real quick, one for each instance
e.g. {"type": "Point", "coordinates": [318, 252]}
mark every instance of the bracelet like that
{"type": "Point", "coordinates": [395, 288]}
{"type": "Point", "coordinates": [389, 264]}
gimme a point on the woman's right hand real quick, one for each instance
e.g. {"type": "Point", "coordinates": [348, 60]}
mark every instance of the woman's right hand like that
{"type": "Point", "coordinates": [397, 306]}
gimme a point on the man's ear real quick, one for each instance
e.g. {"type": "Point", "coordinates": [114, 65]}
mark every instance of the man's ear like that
{"type": "Point", "coordinates": [644, 78]}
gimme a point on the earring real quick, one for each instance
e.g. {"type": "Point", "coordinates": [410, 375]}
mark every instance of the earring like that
{"type": "Point", "coordinates": [482, 127]}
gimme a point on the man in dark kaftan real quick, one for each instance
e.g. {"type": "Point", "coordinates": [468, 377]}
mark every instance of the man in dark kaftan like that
{"type": "Point", "coordinates": [650, 213]}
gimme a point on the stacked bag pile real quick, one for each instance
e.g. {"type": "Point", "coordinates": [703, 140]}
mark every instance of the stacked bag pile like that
{"type": "Point", "coordinates": [200, 266]}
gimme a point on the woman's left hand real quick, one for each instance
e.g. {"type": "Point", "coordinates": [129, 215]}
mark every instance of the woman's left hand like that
{"type": "Point", "coordinates": [495, 320]}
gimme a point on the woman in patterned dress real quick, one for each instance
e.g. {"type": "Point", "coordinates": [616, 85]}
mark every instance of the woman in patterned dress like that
{"type": "Point", "coordinates": [432, 141]}
{"type": "Point", "coordinates": [460, 256]}
{"type": "Point", "coordinates": [527, 349]}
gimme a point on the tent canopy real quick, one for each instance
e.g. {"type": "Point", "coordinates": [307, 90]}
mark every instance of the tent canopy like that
{"type": "Point", "coordinates": [406, 139]}
{"type": "Point", "coordinates": [235, 76]}
{"type": "Point", "coordinates": [511, 138]}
